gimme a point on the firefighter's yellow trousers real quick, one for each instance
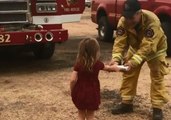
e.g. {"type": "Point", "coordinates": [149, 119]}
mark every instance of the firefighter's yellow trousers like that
{"type": "Point", "coordinates": [158, 68]}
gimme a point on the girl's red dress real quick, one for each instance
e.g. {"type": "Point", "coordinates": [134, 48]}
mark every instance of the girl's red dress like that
{"type": "Point", "coordinates": [86, 93]}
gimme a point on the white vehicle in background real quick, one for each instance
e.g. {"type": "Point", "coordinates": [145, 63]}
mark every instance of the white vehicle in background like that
{"type": "Point", "coordinates": [88, 3]}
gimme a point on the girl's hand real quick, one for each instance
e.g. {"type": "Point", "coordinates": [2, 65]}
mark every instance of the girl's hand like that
{"type": "Point", "coordinates": [112, 68]}
{"type": "Point", "coordinates": [115, 68]}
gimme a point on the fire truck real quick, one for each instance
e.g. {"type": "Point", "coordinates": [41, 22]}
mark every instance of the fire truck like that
{"type": "Point", "coordinates": [37, 24]}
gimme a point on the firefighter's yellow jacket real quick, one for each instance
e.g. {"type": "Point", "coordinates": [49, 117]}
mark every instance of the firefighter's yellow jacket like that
{"type": "Point", "coordinates": [145, 43]}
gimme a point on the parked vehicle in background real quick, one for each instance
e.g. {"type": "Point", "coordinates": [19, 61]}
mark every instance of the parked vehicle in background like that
{"type": "Point", "coordinates": [88, 3]}
{"type": "Point", "coordinates": [106, 13]}
{"type": "Point", "coordinates": [37, 24]}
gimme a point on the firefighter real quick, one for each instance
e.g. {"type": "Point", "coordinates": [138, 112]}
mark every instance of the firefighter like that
{"type": "Point", "coordinates": [139, 39]}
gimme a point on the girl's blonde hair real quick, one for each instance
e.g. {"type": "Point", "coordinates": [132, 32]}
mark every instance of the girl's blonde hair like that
{"type": "Point", "coordinates": [89, 53]}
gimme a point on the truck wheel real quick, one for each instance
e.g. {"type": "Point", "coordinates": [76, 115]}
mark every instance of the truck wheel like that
{"type": "Point", "coordinates": [167, 28]}
{"type": "Point", "coordinates": [44, 51]}
{"type": "Point", "coordinates": [105, 31]}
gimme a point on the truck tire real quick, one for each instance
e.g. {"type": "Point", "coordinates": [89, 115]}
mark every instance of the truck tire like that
{"type": "Point", "coordinates": [167, 28]}
{"type": "Point", "coordinates": [44, 51]}
{"type": "Point", "coordinates": [105, 31]}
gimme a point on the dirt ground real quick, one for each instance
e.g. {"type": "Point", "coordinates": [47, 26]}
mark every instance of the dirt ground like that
{"type": "Point", "coordinates": [33, 89]}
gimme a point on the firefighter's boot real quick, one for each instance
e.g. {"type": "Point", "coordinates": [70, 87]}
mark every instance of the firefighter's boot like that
{"type": "Point", "coordinates": [157, 114]}
{"type": "Point", "coordinates": [122, 109]}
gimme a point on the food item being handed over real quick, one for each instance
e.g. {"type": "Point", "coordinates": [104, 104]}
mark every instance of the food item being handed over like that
{"type": "Point", "coordinates": [117, 68]}
{"type": "Point", "coordinates": [123, 68]}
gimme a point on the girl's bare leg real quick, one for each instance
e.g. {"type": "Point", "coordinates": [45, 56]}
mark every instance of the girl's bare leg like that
{"type": "Point", "coordinates": [90, 115]}
{"type": "Point", "coordinates": [81, 114]}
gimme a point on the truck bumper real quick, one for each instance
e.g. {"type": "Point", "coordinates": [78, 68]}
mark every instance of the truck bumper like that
{"type": "Point", "coordinates": [28, 37]}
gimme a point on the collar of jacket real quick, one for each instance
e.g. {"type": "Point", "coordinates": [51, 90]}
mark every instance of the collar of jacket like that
{"type": "Point", "coordinates": [142, 25]}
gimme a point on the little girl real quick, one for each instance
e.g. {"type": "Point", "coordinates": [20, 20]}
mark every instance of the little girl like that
{"type": "Point", "coordinates": [85, 86]}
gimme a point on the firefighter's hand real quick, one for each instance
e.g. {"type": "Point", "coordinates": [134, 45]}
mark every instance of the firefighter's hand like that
{"type": "Point", "coordinates": [129, 65]}
{"type": "Point", "coordinates": [112, 62]}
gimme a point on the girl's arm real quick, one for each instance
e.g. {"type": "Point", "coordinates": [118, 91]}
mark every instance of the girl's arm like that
{"type": "Point", "coordinates": [74, 77]}
{"type": "Point", "coordinates": [113, 68]}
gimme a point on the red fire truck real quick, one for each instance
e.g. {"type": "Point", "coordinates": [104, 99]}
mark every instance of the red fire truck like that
{"type": "Point", "coordinates": [37, 24]}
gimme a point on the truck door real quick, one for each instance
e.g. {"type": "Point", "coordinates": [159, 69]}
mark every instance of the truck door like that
{"type": "Point", "coordinates": [111, 10]}
{"type": "Point", "coordinates": [119, 8]}
{"type": "Point", "coordinates": [145, 4]}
